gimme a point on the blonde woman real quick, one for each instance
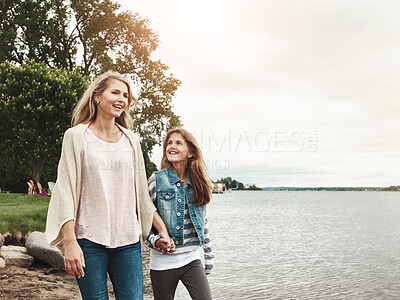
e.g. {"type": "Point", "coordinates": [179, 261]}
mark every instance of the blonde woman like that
{"type": "Point", "coordinates": [181, 191]}
{"type": "Point", "coordinates": [100, 205]}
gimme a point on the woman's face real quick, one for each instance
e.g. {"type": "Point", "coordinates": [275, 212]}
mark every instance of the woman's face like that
{"type": "Point", "coordinates": [177, 150]}
{"type": "Point", "coordinates": [114, 99]}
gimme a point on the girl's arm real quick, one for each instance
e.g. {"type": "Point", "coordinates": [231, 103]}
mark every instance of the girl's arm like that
{"type": "Point", "coordinates": [74, 261]}
{"type": "Point", "coordinates": [208, 253]}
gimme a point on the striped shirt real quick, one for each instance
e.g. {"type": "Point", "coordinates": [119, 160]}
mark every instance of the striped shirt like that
{"type": "Point", "coordinates": [189, 251]}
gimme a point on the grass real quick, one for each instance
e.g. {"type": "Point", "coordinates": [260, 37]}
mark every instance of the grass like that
{"type": "Point", "coordinates": [23, 213]}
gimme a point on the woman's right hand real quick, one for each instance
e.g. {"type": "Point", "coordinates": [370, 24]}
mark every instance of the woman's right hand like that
{"type": "Point", "coordinates": [74, 261]}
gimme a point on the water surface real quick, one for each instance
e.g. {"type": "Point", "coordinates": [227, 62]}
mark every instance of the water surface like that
{"type": "Point", "coordinates": [305, 245]}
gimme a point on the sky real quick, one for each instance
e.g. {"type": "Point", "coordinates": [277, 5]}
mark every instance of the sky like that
{"type": "Point", "coordinates": [286, 93]}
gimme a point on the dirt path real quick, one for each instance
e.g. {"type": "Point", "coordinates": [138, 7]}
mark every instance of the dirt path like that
{"type": "Point", "coordinates": [33, 284]}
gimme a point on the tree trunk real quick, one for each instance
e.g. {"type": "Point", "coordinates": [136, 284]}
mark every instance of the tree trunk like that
{"type": "Point", "coordinates": [38, 167]}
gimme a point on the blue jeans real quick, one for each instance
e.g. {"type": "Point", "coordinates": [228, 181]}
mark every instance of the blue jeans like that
{"type": "Point", "coordinates": [123, 264]}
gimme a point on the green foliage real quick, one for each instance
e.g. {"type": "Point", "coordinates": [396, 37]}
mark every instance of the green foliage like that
{"type": "Point", "coordinates": [109, 39]}
{"type": "Point", "coordinates": [36, 104]}
{"type": "Point", "coordinates": [229, 183]}
{"type": "Point", "coordinates": [150, 166]}
{"type": "Point", "coordinates": [36, 30]}
{"type": "Point", "coordinates": [253, 187]}
{"type": "Point", "coordinates": [237, 185]}
{"type": "Point", "coordinates": [21, 212]}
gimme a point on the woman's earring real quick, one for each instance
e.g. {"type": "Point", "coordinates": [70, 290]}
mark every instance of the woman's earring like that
{"type": "Point", "coordinates": [97, 102]}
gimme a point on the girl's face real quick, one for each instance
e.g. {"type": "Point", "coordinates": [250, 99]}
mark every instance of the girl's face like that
{"type": "Point", "coordinates": [177, 150]}
{"type": "Point", "coordinates": [114, 99]}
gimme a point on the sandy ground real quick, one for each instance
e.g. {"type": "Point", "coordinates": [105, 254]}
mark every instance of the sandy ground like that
{"type": "Point", "coordinates": [32, 283]}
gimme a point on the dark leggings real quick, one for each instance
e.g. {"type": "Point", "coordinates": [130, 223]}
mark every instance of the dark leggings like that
{"type": "Point", "coordinates": [192, 276]}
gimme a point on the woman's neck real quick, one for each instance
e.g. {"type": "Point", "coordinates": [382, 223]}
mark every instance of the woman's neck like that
{"type": "Point", "coordinates": [103, 125]}
{"type": "Point", "coordinates": [106, 130]}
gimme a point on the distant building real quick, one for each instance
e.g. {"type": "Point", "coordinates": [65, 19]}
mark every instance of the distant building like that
{"type": "Point", "coordinates": [219, 188]}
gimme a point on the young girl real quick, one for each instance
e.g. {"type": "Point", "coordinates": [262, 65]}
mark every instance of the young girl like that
{"type": "Point", "coordinates": [100, 204]}
{"type": "Point", "coordinates": [180, 192]}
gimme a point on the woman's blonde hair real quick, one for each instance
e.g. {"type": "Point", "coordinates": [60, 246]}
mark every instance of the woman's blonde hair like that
{"type": "Point", "coordinates": [196, 167]}
{"type": "Point", "coordinates": [86, 109]}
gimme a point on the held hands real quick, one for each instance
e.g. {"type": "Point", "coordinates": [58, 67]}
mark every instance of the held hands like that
{"type": "Point", "coordinates": [74, 261]}
{"type": "Point", "coordinates": [166, 246]}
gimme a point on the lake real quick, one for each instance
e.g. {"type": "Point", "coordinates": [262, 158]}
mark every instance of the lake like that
{"type": "Point", "coordinates": [305, 245]}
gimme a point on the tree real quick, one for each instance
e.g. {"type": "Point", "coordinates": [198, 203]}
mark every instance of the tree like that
{"type": "Point", "coordinates": [108, 39]}
{"type": "Point", "coordinates": [36, 104]}
{"type": "Point", "coordinates": [253, 187]}
{"type": "Point", "coordinates": [240, 186]}
{"type": "Point", "coordinates": [229, 182]}
{"type": "Point", "coordinates": [36, 30]}
{"type": "Point", "coordinates": [234, 184]}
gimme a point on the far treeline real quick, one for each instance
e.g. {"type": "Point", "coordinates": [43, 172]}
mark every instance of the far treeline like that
{"type": "Point", "coordinates": [286, 188]}
{"type": "Point", "coordinates": [237, 185]}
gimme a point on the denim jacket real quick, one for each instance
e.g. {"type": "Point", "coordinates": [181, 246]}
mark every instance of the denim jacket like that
{"type": "Point", "coordinates": [171, 193]}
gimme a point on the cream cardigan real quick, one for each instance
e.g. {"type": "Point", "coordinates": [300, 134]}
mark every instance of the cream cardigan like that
{"type": "Point", "coordinates": [65, 197]}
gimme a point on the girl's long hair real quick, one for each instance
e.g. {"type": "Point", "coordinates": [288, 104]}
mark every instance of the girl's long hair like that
{"type": "Point", "coordinates": [86, 109]}
{"type": "Point", "coordinates": [196, 167]}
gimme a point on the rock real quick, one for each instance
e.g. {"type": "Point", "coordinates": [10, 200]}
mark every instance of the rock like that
{"type": "Point", "coordinates": [1, 240]}
{"type": "Point", "coordinates": [16, 255]}
{"type": "Point", "coordinates": [51, 270]}
{"type": "Point", "coordinates": [38, 246]}
{"type": "Point", "coordinates": [2, 263]}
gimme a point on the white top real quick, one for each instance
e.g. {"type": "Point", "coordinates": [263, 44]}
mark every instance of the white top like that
{"type": "Point", "coordinates": [107, 208]}
{"type": "Point", "coordinates": [180, 258]}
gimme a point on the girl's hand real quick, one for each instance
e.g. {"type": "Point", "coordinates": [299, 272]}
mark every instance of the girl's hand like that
{"type": "Point", "coordinates": [172, 247]}
{"type": "Point", "coordinates": [74, 261]}
{"type": "Point", "coordinates": [164, 235]}
{"type": "Point", "coordinates": [166, 246]}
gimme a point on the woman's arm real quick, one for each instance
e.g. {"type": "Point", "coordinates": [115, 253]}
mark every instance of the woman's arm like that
{"type": "Point", "coordinates": [159, 225]}
{"type": "Point", "coordinates": [164, 244]}
{"type": "Point", "coordinates": [74, 261]}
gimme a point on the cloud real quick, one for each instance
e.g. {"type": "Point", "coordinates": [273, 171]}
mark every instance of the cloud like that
{"type": "Point", "coordinates": [260, 67]}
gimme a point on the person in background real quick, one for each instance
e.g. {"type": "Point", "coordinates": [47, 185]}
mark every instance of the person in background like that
{"type": "Point", "coordinates": [181, 191]}
{"type": "Point", "coordinates": [100, 205]}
